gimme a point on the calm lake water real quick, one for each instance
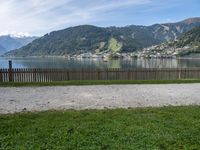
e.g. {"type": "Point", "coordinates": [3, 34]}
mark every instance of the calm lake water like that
{"type": "Point", "coordinates": [92, 63]}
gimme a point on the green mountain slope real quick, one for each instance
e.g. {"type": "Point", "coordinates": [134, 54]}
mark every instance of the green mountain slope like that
{"type": "Point", "coordinates": [81, 39]}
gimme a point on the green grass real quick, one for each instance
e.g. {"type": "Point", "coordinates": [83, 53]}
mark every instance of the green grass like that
{"type": "Point", "coordinates": [114, 46]}
{"type": "Point", "coordinates": [97, 82]}
{"type": "Point", "coordinates": [144, 128]}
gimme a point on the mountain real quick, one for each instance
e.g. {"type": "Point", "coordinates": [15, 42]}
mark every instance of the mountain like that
{"type": "Point", "coordinates": [2, 50]}
{"type": "Point", "coordinates": [10, 42]}
{"type": "Point", "coordinates": [190, 38]}
{"type": "Point", "coordinates": [87, 38]}
{"type": "Point", "coordinates": [187, 44]}
{"type": "Point", "coordinates": [171, 31]}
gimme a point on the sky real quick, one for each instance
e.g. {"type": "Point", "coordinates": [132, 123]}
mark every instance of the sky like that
{"type": "Point", "coordinates": [38, 17]}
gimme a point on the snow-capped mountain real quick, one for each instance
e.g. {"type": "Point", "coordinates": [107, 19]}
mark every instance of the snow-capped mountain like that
{"type": "Point", "coordinates": [14, 41]}
{"type": "Point", "coordinates": [15, 34]}
{"type": "Point", "coordinates": [19, 35]}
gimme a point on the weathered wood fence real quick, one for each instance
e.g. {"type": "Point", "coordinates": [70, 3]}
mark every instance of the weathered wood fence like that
{"type": "Point", "coordinates": [49, 75]}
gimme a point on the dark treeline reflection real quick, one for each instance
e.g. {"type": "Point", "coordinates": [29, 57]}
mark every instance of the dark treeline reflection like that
{"type": "Point", "coordinates": [98, 63]}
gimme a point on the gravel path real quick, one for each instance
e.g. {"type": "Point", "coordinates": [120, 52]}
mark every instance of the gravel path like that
{"type": "Point", "coordinates": [97, 97]}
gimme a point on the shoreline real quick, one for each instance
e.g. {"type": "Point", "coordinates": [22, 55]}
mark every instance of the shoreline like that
{"type": "Point", "coordinates": [99, 58]}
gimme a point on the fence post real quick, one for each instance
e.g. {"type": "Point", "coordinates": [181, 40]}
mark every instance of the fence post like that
{"type": "Point", "coordinates": [179, 74]}
{"type": "Point", "coordinates": [98, 74]}
{"type": "Point", "coordinates": [10, 71]}
{"type": "Point", "coordinates": [1, 75]}
{"type": "Point", "coordinates": [128, 74]}
{"type": "Point", "coordinates": [68, 75]}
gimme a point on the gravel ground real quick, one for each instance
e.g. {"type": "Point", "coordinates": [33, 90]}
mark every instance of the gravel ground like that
{"type": "Point", "coordinates": [97, 97]}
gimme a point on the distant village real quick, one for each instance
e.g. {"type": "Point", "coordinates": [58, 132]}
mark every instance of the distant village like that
{"type": "Point", "coordinates": [157, 51]}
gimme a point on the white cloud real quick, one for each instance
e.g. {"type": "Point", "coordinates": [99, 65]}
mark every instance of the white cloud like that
{"type": "Point", "coordinates": [41, 16]}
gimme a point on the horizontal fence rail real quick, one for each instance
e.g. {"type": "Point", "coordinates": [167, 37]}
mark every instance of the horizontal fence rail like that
{"type": "Point", "coordinates": [50, 75]}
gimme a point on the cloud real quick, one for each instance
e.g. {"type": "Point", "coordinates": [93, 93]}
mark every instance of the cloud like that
{"type": "Point", "coordinates": [39, 17]}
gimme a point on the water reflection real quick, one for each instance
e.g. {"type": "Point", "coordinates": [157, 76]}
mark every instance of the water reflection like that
{"type": "Point", "coordinates": [91, 63]}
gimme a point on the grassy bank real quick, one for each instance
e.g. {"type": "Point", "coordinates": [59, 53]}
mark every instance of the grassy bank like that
{"type": "Point", "coordinates": [97, 82]}
{"type": "Point", "coordinates": [147, 128]}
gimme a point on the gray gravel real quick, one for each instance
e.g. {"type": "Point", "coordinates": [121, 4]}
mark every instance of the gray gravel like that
{"type": "Point", "coordinates": [97, 97]}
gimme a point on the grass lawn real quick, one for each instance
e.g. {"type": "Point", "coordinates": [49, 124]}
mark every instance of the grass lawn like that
{"type": "Point", "coordinates": [143, 128]}
{"type": "Point", "coordinates": [97, 82]}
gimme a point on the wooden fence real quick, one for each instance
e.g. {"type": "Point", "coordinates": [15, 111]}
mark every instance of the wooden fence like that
{"type": "Point", "coordinates": [49, 75]}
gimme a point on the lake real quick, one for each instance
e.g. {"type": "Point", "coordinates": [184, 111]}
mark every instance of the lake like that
{"type": "Point", "coordinates": [59, 62]}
